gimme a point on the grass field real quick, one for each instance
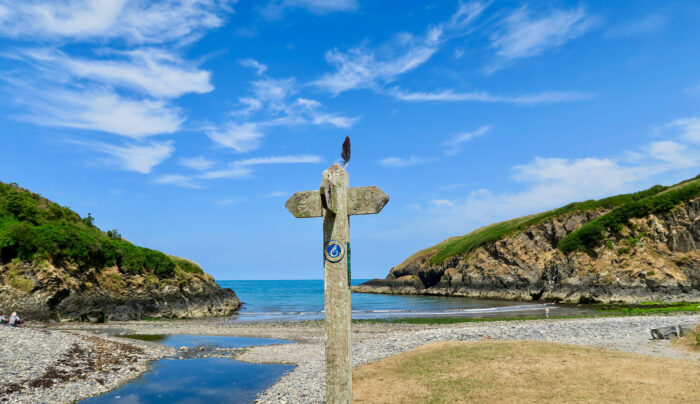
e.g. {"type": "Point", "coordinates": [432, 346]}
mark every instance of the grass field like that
{"type": "Point", "coordinates": [523, 371]}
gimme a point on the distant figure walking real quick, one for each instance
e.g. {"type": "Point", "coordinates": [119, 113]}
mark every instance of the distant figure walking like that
{"type": "Point", "coordinates": [546, 312]}
{"type": "Point", "coordinates": [15, 321]}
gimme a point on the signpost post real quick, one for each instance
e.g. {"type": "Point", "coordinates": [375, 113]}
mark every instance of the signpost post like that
{"type": "Point", "coordinates": [335, 202]}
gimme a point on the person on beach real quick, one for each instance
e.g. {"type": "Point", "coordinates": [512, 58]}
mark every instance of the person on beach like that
{"type": "Point", "coordinates": [15, 321]}
{"type": "Point", "coordinates": [546, 312]}
{"type": "Point", "coordinates": [3, 320]}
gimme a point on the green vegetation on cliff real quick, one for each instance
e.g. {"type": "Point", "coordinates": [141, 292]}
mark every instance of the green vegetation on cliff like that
{"type": "Point", "coordinates": [593, 233]}
{"type": "Point", "coordinates": [657, 199]}
{"type": "Point", "coordinates": [34, 228]}
{"type": "Point", "coordinates": [497, 231]}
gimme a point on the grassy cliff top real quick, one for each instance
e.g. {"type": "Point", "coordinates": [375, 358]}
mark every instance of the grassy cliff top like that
{"type": "Point", "coordinates": [34, 228]}
{"type": "Point", "coordinates": [657, 199]}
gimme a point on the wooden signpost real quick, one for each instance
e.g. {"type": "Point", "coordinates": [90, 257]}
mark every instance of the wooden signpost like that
{"type": "Point", "coordinates": [335, 202]}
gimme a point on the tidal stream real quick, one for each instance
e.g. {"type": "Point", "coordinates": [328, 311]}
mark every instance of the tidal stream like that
{"type": "Point", "coordinates": [196, 380]}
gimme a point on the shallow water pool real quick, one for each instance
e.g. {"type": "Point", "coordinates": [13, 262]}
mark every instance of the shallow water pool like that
{"type": "Point", "coordinates": [199, 380]}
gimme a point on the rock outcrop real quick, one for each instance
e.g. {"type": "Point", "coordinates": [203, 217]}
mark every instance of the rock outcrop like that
{"type": "Point", "coordinates": [42, 291]}
{"type": "Point", "coordinates": [656, 257]}
{"type": "Point", "coordinates": [55, 264]}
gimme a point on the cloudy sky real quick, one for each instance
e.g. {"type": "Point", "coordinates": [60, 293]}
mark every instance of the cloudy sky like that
{"type": "Point", "coordinates": [186, 124]}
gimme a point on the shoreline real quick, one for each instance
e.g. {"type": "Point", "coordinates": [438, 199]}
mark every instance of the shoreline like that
{"type": "Point", "coordinates": [371, 341]}
{"type": "Point", "coordinates": [39, 364]}
{"type": "Point", "coordinates": [596, 295]}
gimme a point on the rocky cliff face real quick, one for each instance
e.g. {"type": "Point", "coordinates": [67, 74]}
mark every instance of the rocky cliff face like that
{"type": "Point", "coordinates": [653, 258]}
{"type": "Point", "coordinates": [41, 291]}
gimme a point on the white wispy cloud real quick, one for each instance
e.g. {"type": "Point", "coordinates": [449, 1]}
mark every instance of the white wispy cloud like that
{"type": "Point", "coordinates": [230, 172]}
{"type": "Point", "coordinates": [276, 8]}
{"type": "Point", "coordinates": [644, 26]}
{"type": "Point", "coordinates": [135, 21]}
{"type": "Point", "coordinates": [229, 201]}
{"type": "Point", "coordinates": [523, 35]}
{"type": "Point", "coordinates": [276, 194]}
{"type": "Point", "coordinates": [303, 158]}
{"type": "Point", "coordinates": [156, 72]}
{"type": "Point", "coordinates": [127, 75]}
{"type": "Point", "coordinates": [273, 103]}
{"type": "Point", "coordinates": [179, 180]}
{"type": "Point", "coordinates": [687, 128]}
{"type": "Point", "coordinates": [235, 169]}
{"type": "Point", "coordinates": [453, 146]}
{"type": "Point", "coordinates": [239, 137]}
{"type": "Point", "coordinates": [675, 153]}
{"type": "Point", "coordinates": [404, 162]}
{"type": "Point", "coordinates": [441, 203]}
{"type": "Point", "coordinates": [99, 109]}
{"type": "Point", "coordinates": [550, 182]}
{"type": "Point", "coordinates": [197, 163]}
{"type": "Point", "coordinates": [259, 67]}
{"type": "Point", "coordinates": [361, 67]}
{"type": "Point", "coordinates": [467, 136]}
{"type": "Point", "coordinates": [482, 96]}
{"type": "Point", "coordinates": [139, 157]}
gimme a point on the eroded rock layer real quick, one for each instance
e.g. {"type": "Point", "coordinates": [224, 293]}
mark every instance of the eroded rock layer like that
{"type": "Point", "coordinates": [42, 291]}
{"type": "Point", "coordinates": [656, 257]}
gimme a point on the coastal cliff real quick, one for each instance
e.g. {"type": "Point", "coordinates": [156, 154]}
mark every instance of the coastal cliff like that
{"type": "Point", "coordinates": [56, 265]}
{"type": "Point", "coordinates": [629, 248]}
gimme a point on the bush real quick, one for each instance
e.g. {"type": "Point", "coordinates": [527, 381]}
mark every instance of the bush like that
{"type": "Point", "coordinates": [137, 260]}
{"type": "Point", "coordinates": [32, 227]}
{"type": "Point", "coordinates": [18, 240]}
{"type": "Point", "coordinates": [89, 220]}
{"type": "Point", "coordinates": [22, 207]}
{"type": "Point", "coordinates": [114, 234]}
{"type": "Point", "coordinates": [590, 235]}
{"type": "Point", "coordinates": [187, 266]}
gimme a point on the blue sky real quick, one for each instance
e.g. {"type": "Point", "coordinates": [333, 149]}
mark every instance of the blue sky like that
{"type": "Point", "coordinates": [187, 124]}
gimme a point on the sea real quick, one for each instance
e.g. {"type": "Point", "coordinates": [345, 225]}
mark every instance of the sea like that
{"type": "Point", "coordinates": [295, 300]}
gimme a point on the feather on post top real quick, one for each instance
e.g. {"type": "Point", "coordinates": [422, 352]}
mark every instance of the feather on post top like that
{"type": "Point", "coordinates": [345, 155]}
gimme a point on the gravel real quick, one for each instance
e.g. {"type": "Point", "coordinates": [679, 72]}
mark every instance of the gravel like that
{"type": "Point", "coordinates": [39, 365]}
{"type": "Point", "coordinates": [306, 383]}
{"type": "Point", "coordinates": [35, 355]}
{"type": "Point", "coordinates": [374, 341]}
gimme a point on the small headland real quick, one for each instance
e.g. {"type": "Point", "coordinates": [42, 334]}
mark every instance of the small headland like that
{"type": "Point", "coordinates": [625, 249]}
{"type": "Point", "coordinates": [56, 265]}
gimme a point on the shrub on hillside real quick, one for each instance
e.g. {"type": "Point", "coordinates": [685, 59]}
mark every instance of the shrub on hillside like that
{"type": "Point", "coordinates": [32, 227]}
{"type": "Point", "coordinates": [591, 234]}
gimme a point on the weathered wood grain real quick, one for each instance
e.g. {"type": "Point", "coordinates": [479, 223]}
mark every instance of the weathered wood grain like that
{"type": "Point", "coordinates": [335, 202]}
{"type": "Point", "coordinates": [366, 200]}
{"type": "Point", "coordinates": [305, 204]}
{"type": "Point", "coordinates": [361, 201]}
{"type": "Point", "coordinates": [337, 292]}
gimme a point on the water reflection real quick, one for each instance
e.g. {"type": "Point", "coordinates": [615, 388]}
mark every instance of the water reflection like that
{"type": "Point", "coordinates": [200, 380]}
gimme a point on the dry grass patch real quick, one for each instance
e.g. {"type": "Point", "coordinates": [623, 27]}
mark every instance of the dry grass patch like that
{"type": "Point", "coordinates": [523, 371]}
{"type": "Point", "coordinates": [688, 343]}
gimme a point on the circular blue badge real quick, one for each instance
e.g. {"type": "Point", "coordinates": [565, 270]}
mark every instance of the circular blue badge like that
{"type": "Point", "coordinates": [335, 250]}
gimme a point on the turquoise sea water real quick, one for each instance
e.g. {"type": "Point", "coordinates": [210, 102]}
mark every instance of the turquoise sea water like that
{"type": "Point", "coordinates": [270, 300]}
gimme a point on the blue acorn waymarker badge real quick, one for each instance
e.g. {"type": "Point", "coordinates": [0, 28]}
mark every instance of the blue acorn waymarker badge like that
{"type": "Point", "coordinates": [335, 251]}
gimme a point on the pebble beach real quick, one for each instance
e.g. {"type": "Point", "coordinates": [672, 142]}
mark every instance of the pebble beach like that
{"type": "Point", "coordinates": [40, 365]}
{"type": "Point", "coordinates": [68, 362]}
